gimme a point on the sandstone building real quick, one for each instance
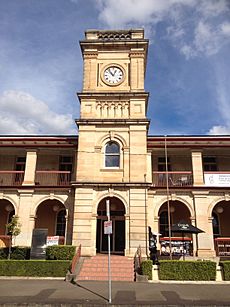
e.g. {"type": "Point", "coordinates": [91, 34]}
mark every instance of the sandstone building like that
{"type": "Point", "coordinates": [62, 182]}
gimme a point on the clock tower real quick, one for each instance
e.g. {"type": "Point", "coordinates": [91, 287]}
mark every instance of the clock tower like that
{"type": "Point", "coordinates": [112, 160]}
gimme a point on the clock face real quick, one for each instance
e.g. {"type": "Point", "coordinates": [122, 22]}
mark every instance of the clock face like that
{"type": "Point", "coordinates": [113, 75]}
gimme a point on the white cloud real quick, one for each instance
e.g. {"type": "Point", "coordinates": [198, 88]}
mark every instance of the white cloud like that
{"type": "Point", "coordinates": [219, 130]}
{"type": "Point", "coordinates": [222, 101]}
{"type": "Point", "coordinates": [118, 13]}
{"type": "Point", "coordinates": [22, 113]}
{"type": "Point", "coordinates": [213, 7]}
{"type": "Point", "coordinates": [225, 28]}
{"type": "Point", "coordinates": [194, 26]}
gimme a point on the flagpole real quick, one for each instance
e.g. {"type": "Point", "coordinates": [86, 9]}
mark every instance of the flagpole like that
{"type": "Point", "coordinates": [168, 205]}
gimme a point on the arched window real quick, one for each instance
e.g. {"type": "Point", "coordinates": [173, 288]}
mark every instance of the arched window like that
{"type": "Point", "coordinates": [112, 155]}
{"type": "Point", "coordinates": [215, 225]}
{"type": "Point", "coordinates": [61, 223]}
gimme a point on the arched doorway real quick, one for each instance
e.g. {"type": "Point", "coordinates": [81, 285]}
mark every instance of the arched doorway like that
{"type": "Point", "coordinates": [178, 212]}
{"type": "Point", "coordinates": [6, 213]}
{"type": "Point", "coordinates": [220, 215]}
{"type": "Point", "coordinates": [117, 215]}
{"type": "Point", "coordinates": [51, 215]}
{"type": "Point", "coordinates": [180, 244]}
{"type": "Point", "coordinates": [221, 228]}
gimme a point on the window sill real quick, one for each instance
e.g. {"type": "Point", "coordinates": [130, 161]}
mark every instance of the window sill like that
{"type": "Point", "coordinates": [111, 169]}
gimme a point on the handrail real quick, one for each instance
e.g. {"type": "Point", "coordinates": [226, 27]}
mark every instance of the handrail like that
{"type": "Point", "coordinates": [76, 259]}
{"type": "Point", "coordinates": [137, 260]}
{"type": "Point", "coordinates": [174, 178]}
{"type": "Point", "coordinates": [11, 177]}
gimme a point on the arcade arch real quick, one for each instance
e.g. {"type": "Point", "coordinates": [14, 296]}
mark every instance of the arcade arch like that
{"type": "Point", "coordinates": [220, 219]}
{"type": "Point", "coordinates": [117, 216]}
{"type": "Point", "coordinates": [51, 215]}
{"type": "Point", "coordinates": [6, 212]}
{"type": "Point", "coordinates": [178, 212]}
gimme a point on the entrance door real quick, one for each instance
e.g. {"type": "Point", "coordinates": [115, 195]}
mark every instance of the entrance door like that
{"type": "Point", "coordinates": [117, 238]}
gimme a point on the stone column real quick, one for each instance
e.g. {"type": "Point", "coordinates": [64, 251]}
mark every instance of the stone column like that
{"type": "Point", "coordinates": [205, 240]}
{"type": "Point", "coordinates": [25, 218]}
{"type": "Point", "coordinates": [31, 160]}
{"type": "Point", "coordinates": [197, 167]}
{"type": "Point", "coordinates": [90, 69]}
{"type": "Point", "coordinates": [84, 224]}
{"type": "Point", "coordinates": [138, 221]}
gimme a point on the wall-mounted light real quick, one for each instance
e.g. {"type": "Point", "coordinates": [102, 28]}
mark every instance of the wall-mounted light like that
{"type": "Point", "coordinates": [219, 209]}
{"type": "Point", "coordinates": [9, 208]}
{"type": "Point", "coordinates": [172, 209]}
{"type": "Point", "coordinates": [55, 208]}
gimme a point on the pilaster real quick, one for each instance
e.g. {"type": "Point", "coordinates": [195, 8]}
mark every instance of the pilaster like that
{"type": "Point", "coordinates": [205, 242]}
{"type": "Point", "coordinates": [25, 218]}
{"type": "Point", "coordinates": [197, 166]}
{"type": "Point", "coordinates": [30, 169]}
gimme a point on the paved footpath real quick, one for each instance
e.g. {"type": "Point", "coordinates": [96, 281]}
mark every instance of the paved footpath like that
{"type": "Point", "coordinates": [30, 292]}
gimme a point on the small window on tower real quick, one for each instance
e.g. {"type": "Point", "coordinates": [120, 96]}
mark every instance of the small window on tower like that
{"type": "Point", "coordinates": [112, 155]}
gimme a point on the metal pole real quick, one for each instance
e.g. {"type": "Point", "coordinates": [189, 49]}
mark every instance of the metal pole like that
{"type": "Point", "coordinates": [109, 260]}
{"type": "Point", "coordinates": [168, 205]}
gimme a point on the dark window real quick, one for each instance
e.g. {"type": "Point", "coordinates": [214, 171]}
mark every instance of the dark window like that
{"type": "Point", "coordinates": [164, 224]}
{"type": "Point", "coordinates": [61, 223]}
{"type": "Point", "coordinates": [112, 155]}
{"type": "Point", "coordinates": [215, 225]}
{"type": "Point", "coordinates": [66, 163]}
{"type": "Point", "coordinates": [209, 164]}
{"type": "Point", "coordinates": [162, 164]}
{"type": "Point", "coordinates": [20, 164]}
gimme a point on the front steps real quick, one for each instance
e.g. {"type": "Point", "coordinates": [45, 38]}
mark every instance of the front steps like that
{"type": "Point", "coordinates": [96, 268]}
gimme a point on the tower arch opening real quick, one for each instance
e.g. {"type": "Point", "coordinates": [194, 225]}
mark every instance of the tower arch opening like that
{"type": "Point", "coordinates": [117, 216]}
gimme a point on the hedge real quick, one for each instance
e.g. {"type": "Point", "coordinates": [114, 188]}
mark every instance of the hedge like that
{"type": "Point", "coordinates": [60, 252]}
{"type": "Point", "coordinates": [17, 253]}
{"type": "Point", "coordinates": [146, 268]}
{"type": "Point", "coordinates": [38, 268]}
{"type": "Point", "coordinates": [187, 270]}
{"type": "Point", "coordinates": [226, 269]}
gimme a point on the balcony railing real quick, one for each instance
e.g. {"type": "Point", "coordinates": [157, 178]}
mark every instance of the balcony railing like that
{"type": "Point", "coordinates": [53, 178]}
{"type": "Point", "coordinates": [11, 178]}
{"type": "Point", "coordinates": [175, 179]}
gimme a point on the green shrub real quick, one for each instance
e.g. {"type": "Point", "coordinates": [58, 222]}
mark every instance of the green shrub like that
{"type": "Point", "coordinates": [39, 268]}
{"type": "Point", "coordinates": [60, 252]}
{"type": "Point", "coordinates": [17, 253]}
{"type": "Point", "coordinates": [20, 253]}
{"type": "Point", "coordinates": [187, 270]}
{"type": "Point", "coordinates": [226, 269]}
{"type": "Point", "coordinates": [3, 253]}
{"type": "Point", "coordinates": [146, 268]}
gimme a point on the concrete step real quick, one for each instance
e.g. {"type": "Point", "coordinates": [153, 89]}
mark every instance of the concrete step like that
{"type": "Point", "coordinates": [96, 268]}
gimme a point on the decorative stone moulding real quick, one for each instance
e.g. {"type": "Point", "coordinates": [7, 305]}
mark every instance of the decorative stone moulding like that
{"type": "Point", "coordinates": [114, 35]}
{"type": "Point", "coordinates": [113, 109]}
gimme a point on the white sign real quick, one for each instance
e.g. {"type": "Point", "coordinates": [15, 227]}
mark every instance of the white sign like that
{"type": "Point", "coordinates": [108, 227]}
{"type": "Point", "coordinates": [52, 240]}
{"type": "Point", "coordinates": [217, 180]}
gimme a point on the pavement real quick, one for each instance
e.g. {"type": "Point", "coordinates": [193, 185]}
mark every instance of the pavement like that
{"type": "Point", "coordinates": [55, 292]}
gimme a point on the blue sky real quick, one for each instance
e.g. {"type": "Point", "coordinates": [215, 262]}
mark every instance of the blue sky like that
{"type": "Point", "coordinates": [187, 73]}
